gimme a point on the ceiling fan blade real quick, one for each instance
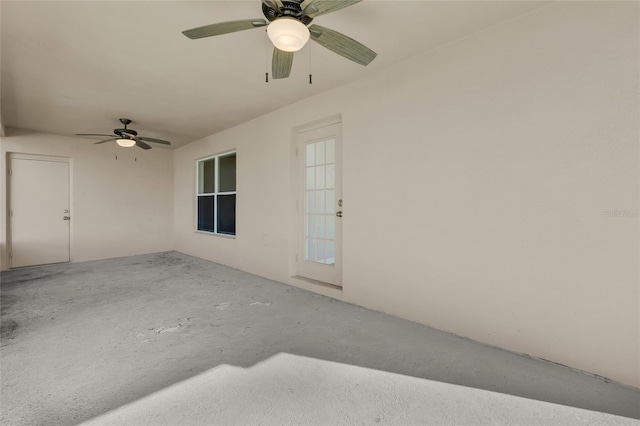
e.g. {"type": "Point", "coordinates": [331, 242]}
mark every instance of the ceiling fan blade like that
{"type": "Point", "coordinates": [92, 134]}
{"type": "Point", "coordinates": [154, 140]}
{"type": "Point", "coordinates": [224, 28]}
{"type": "Point", "coordinates": [342, 45]}
{"type": "Point", "coordinates": [313, 8]}
{"type": "Point", "coordinates": [106, 140]}
{"type": "Point", "coordinates": [142, 144]}
{"type": "Point", "coordinates": [281, 63]}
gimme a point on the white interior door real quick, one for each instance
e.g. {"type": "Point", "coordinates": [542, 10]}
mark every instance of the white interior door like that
{"type": "Point", "coordinates": [320, 204]}
{"type": "Point", "coordinates": [39, 211]}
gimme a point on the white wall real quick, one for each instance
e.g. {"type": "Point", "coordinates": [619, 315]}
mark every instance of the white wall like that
{"type": "Point", "coordinates": [118, 207]}
{"type": "Point", "coordinates": [476, 180]}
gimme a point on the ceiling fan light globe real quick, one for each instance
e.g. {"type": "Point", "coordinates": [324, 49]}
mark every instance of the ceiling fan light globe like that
{"type": "Point", "coordinates": [288, 34]}
{"type": "Point", "coordinates": [126, 143]}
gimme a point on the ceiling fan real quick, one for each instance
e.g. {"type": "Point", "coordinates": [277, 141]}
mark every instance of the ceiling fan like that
{"type": "Point", "coordinates": [289, 30]}
{"type": "Point", "coordinates": [127, 137]}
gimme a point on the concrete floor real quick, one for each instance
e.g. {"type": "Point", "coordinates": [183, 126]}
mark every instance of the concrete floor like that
{"type": "Point", "coordinates": [80, 340]}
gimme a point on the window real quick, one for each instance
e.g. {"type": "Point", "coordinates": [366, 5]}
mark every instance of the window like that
{"type": "Point", "coordinates": [217, 194]}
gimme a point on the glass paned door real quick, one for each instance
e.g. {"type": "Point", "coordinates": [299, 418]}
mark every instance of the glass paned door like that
{"type": "Point", "coordinates": [320, 214]}
{"type": "Point", "coordinates": [320, 198]}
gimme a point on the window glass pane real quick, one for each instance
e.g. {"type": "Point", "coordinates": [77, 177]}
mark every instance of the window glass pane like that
{"type": "Point", "coordinates": [320, 258]}
{"type": "Point", "coordinates": [311, 177]}
{"type": "Point", "coordinates": [311, 197]}
{"type": "Point", "coordinates": [331, 176]}
{"type": "Point", "coordinates": [320, 201]}
{"type": "Point", "coordinates": [331, 151]}
{"type": "Point", "coordinates": [227, 173]}
{"type": "Point", "coordinates": [330, 205]}
{"type": "Point", "coordinates": [207, 173]}
{"type": "Point", "coordinates": [330, 255]}
{"type": "Point", "coordinates": [330, 227]}
{"type": "Point", "coordinates": [227, 214]}
{"type": "Point", "coordinates": [205, 213]}
{"type": "Point", "coordinates": [319, 152]}
{"type": "Point", "coordinates": [311, 154]}
{"type": "Point", "coordinates": [319, 177]}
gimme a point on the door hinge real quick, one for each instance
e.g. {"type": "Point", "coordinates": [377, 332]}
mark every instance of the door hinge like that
{"type": "Point", "coordinates": [10, 172]}
{"type": "Point", "coordinates": [297, 151]}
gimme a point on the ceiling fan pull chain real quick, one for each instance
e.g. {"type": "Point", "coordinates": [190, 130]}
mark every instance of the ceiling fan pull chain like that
{"type": "Point", "coordinates": [310, 71]}
{"type": "Point", "coordinates": [266, 60]}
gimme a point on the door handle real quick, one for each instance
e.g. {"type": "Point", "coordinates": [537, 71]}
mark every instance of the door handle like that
{"type": "Point", "coordinates": [66, 218]}
{"type": "Point", "coordinates": [339, 214]}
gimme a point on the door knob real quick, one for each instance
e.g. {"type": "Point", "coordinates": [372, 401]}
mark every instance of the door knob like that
{"type": "Point", "coordinates": [66, 218]}
{"type": "Point", "coordinates": [339, 214]}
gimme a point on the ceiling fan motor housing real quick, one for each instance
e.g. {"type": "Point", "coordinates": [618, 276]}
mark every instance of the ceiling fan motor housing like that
{"type": "Point", "coordinates": [289, 9]}
{"type": "Point", "coordinates": [123, 133]}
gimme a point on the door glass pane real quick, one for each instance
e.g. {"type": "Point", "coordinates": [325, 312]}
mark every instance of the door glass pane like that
{"type": "Point", "coordinates": [319, 228]}
{"type": "Point", "coordinates": [311, 177]}
{"type": "Point", "coordinates": [319, 205]}
{"type": "Point", "coordinates": [319, 152]}
{"type": "Point", "coordinates": [206, 176]}
{"type": "Point", "coordinates": [330, 230]}
{"type": "Point", "coordinates": [319, 177]}
{"type": "Point", "coordinates": [330, 151]}
{"type": "Point", "coordinates": [311, 196]}
{"type": "Point", "coordinates": [311, 225]}
{"type": "Point", "coordinates": [330, 255]}
{"type": "Point", "coordinates": [227, 173]}
{"type": "Point", "coordinates": [320, 257]}
{"type": "Point", "coordinates": [331, 176]}
{"type": "Point", "coordinates": [310, 252]}
{"type": "Point", "coordinates": [227, 214]}
{"type": "Point", "coordinates": [311, 154]}
{"type": "Point", "coordinates": [205, 213]}
{"type": "Point", "coordinates": [330, 204]}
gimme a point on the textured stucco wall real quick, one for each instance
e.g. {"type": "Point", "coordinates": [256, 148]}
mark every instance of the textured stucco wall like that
{"type": "Point", "coordinates": [477, 181]}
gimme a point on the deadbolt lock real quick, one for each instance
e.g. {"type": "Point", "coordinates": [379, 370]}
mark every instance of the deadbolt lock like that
{"type": "Point", "coordinates": [339, 214]}
{"type": "Point", "coordinates": [66, 218]}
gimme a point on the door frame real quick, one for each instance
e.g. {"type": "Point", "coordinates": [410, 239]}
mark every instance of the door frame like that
{"type": "Point", "coordinates": [297, 191]}
{"type": "Point", "coordinates": [9, 224]}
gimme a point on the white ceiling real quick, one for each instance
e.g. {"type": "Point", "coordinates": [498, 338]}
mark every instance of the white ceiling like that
{"type": "Point", "coordinates": [77, 66]}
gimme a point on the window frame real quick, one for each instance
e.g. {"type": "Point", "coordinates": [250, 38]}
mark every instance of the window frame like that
{"type": "Point", "coordinates": [215, 194]}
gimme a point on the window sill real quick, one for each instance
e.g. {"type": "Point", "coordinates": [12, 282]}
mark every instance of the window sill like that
{"type": "Point", "coordinates": [231, 237]}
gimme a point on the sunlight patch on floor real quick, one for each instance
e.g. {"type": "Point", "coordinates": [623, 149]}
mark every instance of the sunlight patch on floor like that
{"type": "Point", "coordinates": [291, 389]}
